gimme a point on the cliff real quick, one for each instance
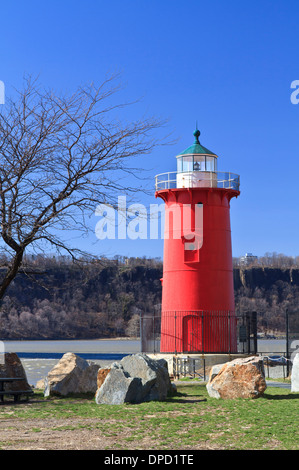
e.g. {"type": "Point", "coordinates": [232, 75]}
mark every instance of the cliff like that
{"type": "Point", "coordinates": [258, 277]}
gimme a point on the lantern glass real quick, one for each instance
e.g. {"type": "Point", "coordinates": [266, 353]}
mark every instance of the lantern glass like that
{"type": "Point", "coordinates": [187, 163]}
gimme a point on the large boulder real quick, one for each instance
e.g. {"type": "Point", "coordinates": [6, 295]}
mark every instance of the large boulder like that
{"type": "Point", "coordinates": [135, 379]}
{"type": "Point", "coordinates": [153, 373]}
{"type": "Point", "coordinates": [118, 387]}
{"type": "Point", "coordinates": [240, 378]}
{"type": "Point", "coordinates": [13, 367]}
{"type": "Point", "coordinates": [295, 374]}
{"type": "Point", "coordinates": [71, 375]}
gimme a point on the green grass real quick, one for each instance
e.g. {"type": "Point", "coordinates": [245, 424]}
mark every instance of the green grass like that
{"type": "Point", "coordinates": [189, 420]}
{"type": "Point", "coordinates": [271, 379]}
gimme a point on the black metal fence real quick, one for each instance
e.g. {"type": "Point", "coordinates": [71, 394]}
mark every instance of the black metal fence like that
{"type": "Point", "coordinates": [199, 332]}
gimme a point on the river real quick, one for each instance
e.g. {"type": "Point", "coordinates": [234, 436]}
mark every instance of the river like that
{"type": "Point", "coordinates": [39, 357]}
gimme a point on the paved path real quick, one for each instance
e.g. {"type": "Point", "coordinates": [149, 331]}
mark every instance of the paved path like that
{"type": "Point", "coordinates": [271, 383]}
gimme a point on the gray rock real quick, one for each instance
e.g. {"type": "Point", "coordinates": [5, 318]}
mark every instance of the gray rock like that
{"type": "Point", "coordinates": [118, 388]}
{"type": "Point", "coordinates": [153, 373]}
{"type": "Point", "coordinates": [136, 379]}
{"type": "Point", "coordinates": [295, 374]}
{"type": "Point", "coordinates": [88, 379]}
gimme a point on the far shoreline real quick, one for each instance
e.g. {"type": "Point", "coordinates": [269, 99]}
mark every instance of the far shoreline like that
{"type": "Point", "coordinates": [122, 338]}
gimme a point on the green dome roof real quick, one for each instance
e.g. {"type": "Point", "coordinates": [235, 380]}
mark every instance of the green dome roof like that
{"type": "Point", "coordinates": [197, 148]}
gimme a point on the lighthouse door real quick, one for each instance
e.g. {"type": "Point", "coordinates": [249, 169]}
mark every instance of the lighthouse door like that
{"type": "Point", "coordinates": [192, 333]}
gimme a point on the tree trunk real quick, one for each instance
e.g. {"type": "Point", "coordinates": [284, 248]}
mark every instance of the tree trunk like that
{"type": "Point", "coordinates": [11, 272]}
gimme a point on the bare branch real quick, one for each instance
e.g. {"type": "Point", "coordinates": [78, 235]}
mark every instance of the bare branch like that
{"type": "Point", "coordinates": [60, 156]}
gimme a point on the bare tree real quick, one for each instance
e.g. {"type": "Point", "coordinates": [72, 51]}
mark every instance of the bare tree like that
{"type": "Point", "coordinates": [59, 157]}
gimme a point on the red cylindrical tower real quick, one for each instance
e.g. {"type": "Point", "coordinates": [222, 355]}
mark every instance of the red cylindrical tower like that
{"type": "Point", "coordinates": [198, 311]}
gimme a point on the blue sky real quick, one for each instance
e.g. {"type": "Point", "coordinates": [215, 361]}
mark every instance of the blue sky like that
{"type": "Point", "coordinates": [226, 64]}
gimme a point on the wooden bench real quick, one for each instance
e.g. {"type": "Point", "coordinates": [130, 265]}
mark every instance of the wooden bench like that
{"type": "Point", "coordinates": [16, 394]}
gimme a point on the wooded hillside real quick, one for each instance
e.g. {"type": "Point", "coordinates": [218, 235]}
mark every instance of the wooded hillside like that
{"type": "Point", "coordinates": [57, 299]}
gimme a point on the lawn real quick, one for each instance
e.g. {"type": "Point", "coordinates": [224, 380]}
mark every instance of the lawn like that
{"type": "Point", "coordinates": [190, 420]}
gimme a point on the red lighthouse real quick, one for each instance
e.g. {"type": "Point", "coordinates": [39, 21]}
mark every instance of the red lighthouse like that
{"type": "Point", "coordinates": [198, 311]}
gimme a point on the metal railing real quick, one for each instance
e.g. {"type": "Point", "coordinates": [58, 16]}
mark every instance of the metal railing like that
{"type": "Point", "coordinates": [193, 179]}
{"type": "Point", "coordinates": [198, 332]}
